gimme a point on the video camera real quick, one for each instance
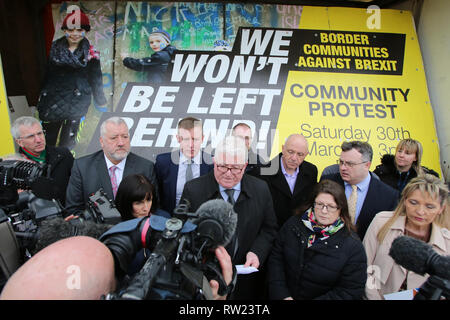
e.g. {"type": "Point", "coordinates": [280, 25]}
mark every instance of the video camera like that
{"type": "Point", "coordinates": [21, 214]}
{"type": "Point", "coordinates": [182, 259]}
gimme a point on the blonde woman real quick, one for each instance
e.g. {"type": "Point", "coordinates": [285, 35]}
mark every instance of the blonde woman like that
{"type": "Point", "coordinates": [421, 214]}
{"type": "Point", "coordinates": [397, 170]}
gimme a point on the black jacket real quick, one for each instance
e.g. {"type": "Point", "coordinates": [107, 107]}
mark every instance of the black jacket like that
{"type": "Point", "coordinates": [70, 82]}
{"type": "Point", "coordinates": [256, 228]}
{"type": "Point", "coordinates": [59, 161]}
{"type": "Point", "coordinates": [379, 197]}
{"type": "Point", "coordinates": [155, 65]}
{"type": "Point", "coordinates": [389, 174]}
{"type": "Point", "coordinates": [333, 269]}
{"type": "Point", "coordinates": [284, 201]}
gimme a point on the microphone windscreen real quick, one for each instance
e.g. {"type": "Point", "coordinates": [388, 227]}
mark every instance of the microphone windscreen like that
{"type": "Point", "coordinates": [220, 212]}
{"type": "Point", "coordinates": [419, 257]}
{"type": "Point", "coordinates": [411, 253]}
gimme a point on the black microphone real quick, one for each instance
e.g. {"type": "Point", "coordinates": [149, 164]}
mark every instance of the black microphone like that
{"type": "Point", "coordinates": [419, 257]}
{"type": "Point", "coordinates": [216, 222]}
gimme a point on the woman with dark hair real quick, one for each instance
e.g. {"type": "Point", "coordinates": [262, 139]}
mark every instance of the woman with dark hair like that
{"type": "Point", "coordinates": [134, 198]}
{"type": "Point", "coordinates": [317, 254]}
{"type": "Point", "coordinates": [397, 170]}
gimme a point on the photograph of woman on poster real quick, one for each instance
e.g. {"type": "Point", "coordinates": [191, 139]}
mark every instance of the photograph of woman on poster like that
{"type": "Point", "coordinates": [72, 77]}
{"type": "Point", "coordinates": [156, 65]}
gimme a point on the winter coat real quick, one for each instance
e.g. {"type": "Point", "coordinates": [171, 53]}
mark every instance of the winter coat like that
{"type": "Point", "coordinates": [334, 268]}
{"type": "Point", "coordinates": [386, 276]}
{"type": "Point", "coordinates": [71, 81]}
{"type": "Point", "coordinates": [155, 65]}
{"type": "Point", "coordinates": [389, 174]}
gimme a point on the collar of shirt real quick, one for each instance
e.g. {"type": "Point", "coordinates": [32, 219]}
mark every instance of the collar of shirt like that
{"type": "Point", "coordinates": [120, 165]}
{"type": "Point", "coordinates": [195, 160]}
{"type": "Point", "coordinates": [294, 175]}
{"type": "Point", "coordinates": [236, 188]}
{"type": "Point", "coordinates": [362, 186]}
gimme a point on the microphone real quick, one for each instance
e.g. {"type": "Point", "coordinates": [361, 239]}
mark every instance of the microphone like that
{"type": "Point", "coordinates": [216, 222]}
{"type": "Point", "coordinates": [419, 257]}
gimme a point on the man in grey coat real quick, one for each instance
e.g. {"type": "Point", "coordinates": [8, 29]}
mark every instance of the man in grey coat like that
{"type": "Point", "coordinates": [106, 168]}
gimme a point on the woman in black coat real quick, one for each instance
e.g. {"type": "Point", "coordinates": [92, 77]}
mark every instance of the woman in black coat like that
{"type": "Point", "coordinates": [73, 76]}
{"type": "Point", "coordinates": [317, 254]}
{"type": "Point", "coordinates": [397, 170]}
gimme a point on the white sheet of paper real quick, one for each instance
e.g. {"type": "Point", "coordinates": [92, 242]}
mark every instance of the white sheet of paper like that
{"type": "Point", "coordinates": [241, 270]}
{"type": "Point", "coordinates": [401, 295]}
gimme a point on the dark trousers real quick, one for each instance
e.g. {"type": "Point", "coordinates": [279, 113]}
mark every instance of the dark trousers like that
{"type": "Point", "coordinates": [66, 129]}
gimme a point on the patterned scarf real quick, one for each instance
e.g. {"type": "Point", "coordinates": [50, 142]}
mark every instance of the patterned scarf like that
{"type": "Point", "coordinates": [319, 232]}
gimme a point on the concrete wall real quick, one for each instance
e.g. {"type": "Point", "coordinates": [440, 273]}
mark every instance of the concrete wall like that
{"type": "Point", "coordinates": [434, 38]}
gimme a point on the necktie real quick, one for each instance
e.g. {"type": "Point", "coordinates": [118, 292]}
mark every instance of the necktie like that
{"type": "Point", "coordinates": [112, 175]}
{"type": "Point", "coordinates": [232, 247]}
{"type": "Point", "coordinates": [352, 202]}
{"type": "Point", "coordinates": [230, 193]}
{"type": "Point", "coordinates": [189, 174]}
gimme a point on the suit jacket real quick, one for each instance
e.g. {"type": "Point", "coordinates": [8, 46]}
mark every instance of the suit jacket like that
{"type": "Point", "coordinates": [90, 173]}
{"type": "Point", "coordinates": [284, 201]}
{"type": "Point", "coordinates": [167, 175]}
{"type": "Point", "coordinates": [257, 225]}
{"type": "Point", "coordinates": [380, 197]}
{"type": "Point", "coordinates": [388, 275]}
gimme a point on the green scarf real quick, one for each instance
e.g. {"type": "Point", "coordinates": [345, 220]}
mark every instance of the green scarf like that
{"type": "Point", "coordinates": [31, 156]}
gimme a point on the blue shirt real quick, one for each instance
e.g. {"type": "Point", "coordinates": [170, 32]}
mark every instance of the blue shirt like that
{"type": "Point", "coordinates": [182, 166]}
{"type": "Point", "coordinates": [363, 187]}
{"type": "Point", "coordinates": [237, 191]}
{"type": "Point", "coordinates": [290, 178]}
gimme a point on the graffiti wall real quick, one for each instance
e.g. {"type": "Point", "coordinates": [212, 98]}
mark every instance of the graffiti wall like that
{"type": "Point", "coordinates": [331, 74]}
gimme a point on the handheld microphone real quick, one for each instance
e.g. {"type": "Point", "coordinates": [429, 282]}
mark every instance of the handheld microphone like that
{"type": "Point", "coordinates": [216, 222]}
{"type": "Point", "coordinates": [419, 257]}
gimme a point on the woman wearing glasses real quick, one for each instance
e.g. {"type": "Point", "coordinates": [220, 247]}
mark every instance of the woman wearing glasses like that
{"type": "Point", "coordinates": [317, 254]}
{"type": "Point", "coordinates": [397, 170]}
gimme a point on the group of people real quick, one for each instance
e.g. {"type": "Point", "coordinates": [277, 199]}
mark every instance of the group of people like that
{"type": "Point", "coordinates": [309, 239]}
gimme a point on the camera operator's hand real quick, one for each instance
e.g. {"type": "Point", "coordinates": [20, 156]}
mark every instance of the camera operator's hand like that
{"type": "Point", "coordinates": [227, 271]}
{"type": "Point", "coordinates": [252, 260]}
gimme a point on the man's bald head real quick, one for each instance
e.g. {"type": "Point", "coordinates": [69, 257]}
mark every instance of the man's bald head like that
{"type": "Point", "coordinates": [294, 151]}
{"type": "Point", "coordinates": [70, 269]}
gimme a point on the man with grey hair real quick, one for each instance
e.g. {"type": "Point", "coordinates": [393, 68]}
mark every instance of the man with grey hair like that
{"type": "Point", "coordinates": [366, 195]}
{"type": "Point", "coordinates": [250, 196]}
{"type": "Point", "coordinates": [290, 177]}
{"type": "Point", "coordinates": [28, 134]}
{"type": "Point", "coordinates": [106, 168]}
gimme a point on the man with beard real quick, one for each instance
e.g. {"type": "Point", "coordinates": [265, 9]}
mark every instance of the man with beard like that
{"type": "Point", "coordinates": [106, 168]}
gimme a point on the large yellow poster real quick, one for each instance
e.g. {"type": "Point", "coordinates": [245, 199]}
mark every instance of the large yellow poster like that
{"type": "Point", "coordinates": [7, 145]}
{"type": "Point", "coordinates": [357, 80]}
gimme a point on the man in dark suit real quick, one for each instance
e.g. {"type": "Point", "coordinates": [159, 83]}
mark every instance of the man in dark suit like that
{"type": "Point", "coordinates": [290, 178]}
{"type": "Point", "coordinates": [256, 227]}
{"type": "Point", "coordinates": [106, 168]}
{"type": "Point", "coordinates": [173, 169]}
{"type": "Point", "coordinates": [28, 134]}
{"type": "Point", "coordinates": [366, 195]}
{"type": "Point", "coordinates": [244, 131]}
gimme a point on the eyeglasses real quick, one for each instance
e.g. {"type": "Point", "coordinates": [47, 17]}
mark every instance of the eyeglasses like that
{"type": "Point", "coordinates": [349, 164]}
{"type": "Point", "coordinates": [39, 134]}
{"type": "Point", "coordinates": [224, 169]}
{"type": "Point", "coordinates": [321, 206]}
